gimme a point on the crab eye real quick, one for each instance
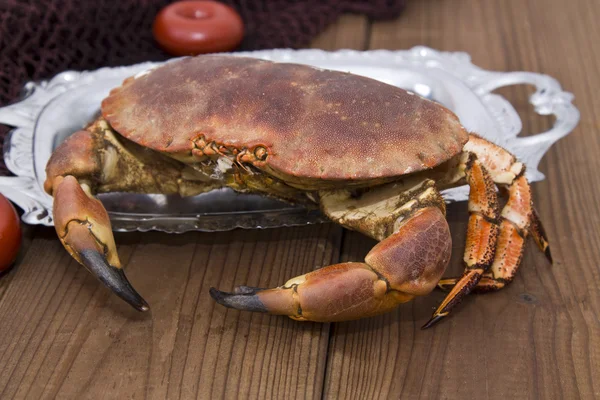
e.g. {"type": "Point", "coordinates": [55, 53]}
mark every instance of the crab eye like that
{"type": "Point", "coordinates": [260, 153]}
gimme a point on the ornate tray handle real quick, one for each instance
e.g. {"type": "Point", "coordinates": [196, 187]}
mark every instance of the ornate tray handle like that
{"type": "Point", "coordinates": [548, 99]}
{"type": "Point", "coordinates": [23, 190]}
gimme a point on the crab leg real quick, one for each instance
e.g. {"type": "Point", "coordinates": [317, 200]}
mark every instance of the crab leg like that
{"type": "Point", "coordinates": [91, 161]}
{"type": "Point", "coordinates": [515, 221]}
{"type": "Point", "coordinates": [539, 234]}
{"type": "Point", "coordinates": [511, 241]}
{"type": "Point", "coordinates": [84, 229]}
{"type": "Point", "coordinates": [407, 263]}
{"type": "Point", "coordinates": [482, 233]}
{"type": "Point", "coordinates": [505, 169]}
{"type": "Point", "coordinates": [81, 222]}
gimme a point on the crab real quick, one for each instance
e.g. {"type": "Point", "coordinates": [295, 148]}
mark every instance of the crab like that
{"type": "Point", "coordinates": [372, 157]}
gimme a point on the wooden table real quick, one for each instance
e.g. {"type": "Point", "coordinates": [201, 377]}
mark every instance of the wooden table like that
{"type": "Point", "coordinates": [65, 335]}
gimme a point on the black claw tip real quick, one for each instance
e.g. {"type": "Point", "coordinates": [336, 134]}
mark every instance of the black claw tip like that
{"type": "Point", "coordinates": [434, 320]}
{"type": "Point", "coordinates": [113, 278]}
{"type": "Point", "coordinates": [548, 255]}
{"type": "Point", "coordinates": [247, 301]}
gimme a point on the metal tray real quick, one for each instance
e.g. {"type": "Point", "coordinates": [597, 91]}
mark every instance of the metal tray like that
{"type": "Point", "coordinates": [52, 110]}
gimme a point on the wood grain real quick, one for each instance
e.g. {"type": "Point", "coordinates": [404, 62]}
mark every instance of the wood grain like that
{"type": "Point", "coordinates": [71, 338]}
{"type": "Point", "coordinates": [539, 337]}
{"type": "Point", "coordinates": [27, 235]}
{"type": "Point", "coordinates": [66, 336]}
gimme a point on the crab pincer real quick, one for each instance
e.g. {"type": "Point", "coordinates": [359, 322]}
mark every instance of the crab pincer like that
{"type": "Point", "coordinates": [81, 221]}
{"type": "Point", "coordinates": [408, 263]}
{"type": "Point", "coordinates": [84, 228]}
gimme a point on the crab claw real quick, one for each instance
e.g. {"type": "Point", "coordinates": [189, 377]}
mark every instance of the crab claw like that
{"type": "Point", "coordinates": [406, 264]}
{"type": "Point", "coordinates": [339, 292]}
{"type": "Point", "coordinates": [83, 226]}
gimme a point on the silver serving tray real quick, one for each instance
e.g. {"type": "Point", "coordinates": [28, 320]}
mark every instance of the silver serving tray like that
{"type": "Point", "coordinates": [52, 110]}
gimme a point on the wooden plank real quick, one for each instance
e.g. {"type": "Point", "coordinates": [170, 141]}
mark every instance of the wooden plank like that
{"type": "Point", "coordinates": [67, 336]}
{"type": "Point", "coordinates": [538, 338]}
{"type": "Point", "coordinates": [27, 234]}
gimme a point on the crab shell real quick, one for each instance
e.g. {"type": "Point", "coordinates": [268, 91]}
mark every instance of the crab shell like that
{"type": "Point", "coordinates": [292, 121]}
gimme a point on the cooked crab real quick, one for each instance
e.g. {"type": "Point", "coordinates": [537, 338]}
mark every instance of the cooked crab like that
{"type": "Point", "coordinates": [371, 156]}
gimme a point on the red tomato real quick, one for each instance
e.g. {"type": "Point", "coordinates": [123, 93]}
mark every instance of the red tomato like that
{"type": "Point", "coordinates": [194, 27]}
{"type": "Point", "coordinates": [10, 233]}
